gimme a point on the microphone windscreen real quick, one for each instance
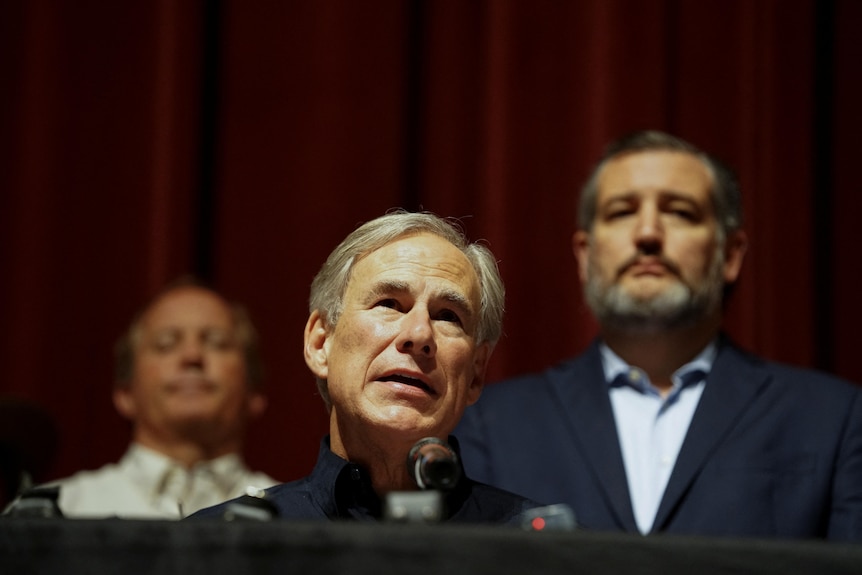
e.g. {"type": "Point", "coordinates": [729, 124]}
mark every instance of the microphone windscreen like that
{"type": "Point", "coordinates": [433, 464]}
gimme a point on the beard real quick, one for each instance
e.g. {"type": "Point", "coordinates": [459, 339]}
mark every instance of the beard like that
{"type": "Point", "coordinates": [679, 305]}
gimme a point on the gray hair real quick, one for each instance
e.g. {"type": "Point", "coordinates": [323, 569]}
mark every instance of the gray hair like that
{"type": "Point", "coordinates": [330, 283]}
{"type": "Point", "coordinates": [725, 192]}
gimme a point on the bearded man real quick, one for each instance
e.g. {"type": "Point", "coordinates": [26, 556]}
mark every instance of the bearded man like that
{"type": "Point", "coordinates": [663, 424]}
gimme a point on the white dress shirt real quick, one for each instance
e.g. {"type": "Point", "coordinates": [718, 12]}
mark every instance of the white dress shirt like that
{"type": "Point", "coordinates": [145, 484]}
{"type": "Point", "coordinates": [651, 428]}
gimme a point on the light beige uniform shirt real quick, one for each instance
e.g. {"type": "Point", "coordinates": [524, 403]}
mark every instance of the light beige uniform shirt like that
{"type": "Point", "coordinates": [145, 484]}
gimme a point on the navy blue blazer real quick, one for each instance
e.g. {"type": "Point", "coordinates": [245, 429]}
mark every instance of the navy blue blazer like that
{"type": "Point", "coordinates": [772, 450]}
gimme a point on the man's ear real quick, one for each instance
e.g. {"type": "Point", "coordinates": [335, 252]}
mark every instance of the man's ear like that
{"type": "Point", "coordinates": [581, 249]}
{"type": "Point", "coordinates": [480, 366]}
{"type": "Point", "coordinates": [124, 401]}
{"type": "Point", "coordinates": [316, 349]}
{"type": "Point", "coordinates": [735, 247]}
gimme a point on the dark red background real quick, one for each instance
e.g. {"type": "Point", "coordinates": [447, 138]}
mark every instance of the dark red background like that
{"type": "Point", "coordinates": [242, 140]}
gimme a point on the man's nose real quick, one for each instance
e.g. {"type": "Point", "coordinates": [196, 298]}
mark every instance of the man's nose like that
{"type": "Point", "coordinates": [192, 352]}
{"type": "Point", "coordinates": [417, 333]}
{"type": "Point", "coordinates": [649, 231]}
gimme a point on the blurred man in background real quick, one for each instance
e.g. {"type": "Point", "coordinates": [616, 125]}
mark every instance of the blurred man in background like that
{"type": "Point", "coordinates": [188, 378]}
{"type": "Point", "coordinates": [663, 424]}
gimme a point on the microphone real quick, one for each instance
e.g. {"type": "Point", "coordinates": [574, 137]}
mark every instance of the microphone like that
{"type": "Point", "coordinates": [435, 468]}
{"type": "Point", "coordinates": [433, 464]}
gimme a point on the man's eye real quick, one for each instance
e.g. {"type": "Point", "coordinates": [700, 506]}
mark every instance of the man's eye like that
{"type": "Point", "coordinates": [218, 340]}
{"type": "Point", "coordinates": [449, 315]}
{"type": "Point", "coordinates": [618, 213]}
{"type": "Point", "coordinates": [684, 214]}
{"type": "Point", "coordinates": [387, 302]}
{"type": "Point", "coordinates": [164, 344]}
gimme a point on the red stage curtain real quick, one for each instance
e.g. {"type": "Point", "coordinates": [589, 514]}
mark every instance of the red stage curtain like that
{"type": "Point", "coordinates": [243, 140]}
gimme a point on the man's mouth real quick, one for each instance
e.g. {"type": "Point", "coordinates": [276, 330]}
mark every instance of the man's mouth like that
{"type": "Point", "coordinates": [654, 266]}
{"type": "Point", "coordinates": [191, 385]}
{"type": "Point", "coordinates": [648, 268]}
{"type": "Point", "coordinates": [408, 380]}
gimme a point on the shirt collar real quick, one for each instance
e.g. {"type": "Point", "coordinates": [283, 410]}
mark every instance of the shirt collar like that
{"type": "Point", "coordinates": [150, 468]}
{"type": "Point", "coordinates": [343, 489]}
{"type": "Point", "coordinates": [616, 368]}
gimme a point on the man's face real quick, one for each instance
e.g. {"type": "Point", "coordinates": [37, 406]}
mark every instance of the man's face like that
{"type": "Point", "coordinates": [403, 357]}
{"type": "Point", "coordinates": [189, 372]}
{"type": "Point", "coordinates": [653, 259]}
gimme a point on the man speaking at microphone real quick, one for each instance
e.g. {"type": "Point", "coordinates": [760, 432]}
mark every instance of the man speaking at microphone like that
{"type": "Point", "coordinates": [404, 315]}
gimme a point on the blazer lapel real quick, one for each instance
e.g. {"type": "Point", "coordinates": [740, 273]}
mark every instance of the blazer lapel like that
{"type": "Point", "coordinates": [583, 393]}
{"type": "Point", "coordinates": [731, 386]}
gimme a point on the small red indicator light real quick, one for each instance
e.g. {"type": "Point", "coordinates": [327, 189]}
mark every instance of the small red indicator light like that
{"type": "Point", "coordinates": [538, 523]}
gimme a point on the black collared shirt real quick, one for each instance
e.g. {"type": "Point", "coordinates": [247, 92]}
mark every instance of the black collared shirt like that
{"type": "Point", "coordinates": [338, 489]}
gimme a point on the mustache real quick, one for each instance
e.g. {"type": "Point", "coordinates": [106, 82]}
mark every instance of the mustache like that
{"type": "Point", "coordinates": [639, 257]}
